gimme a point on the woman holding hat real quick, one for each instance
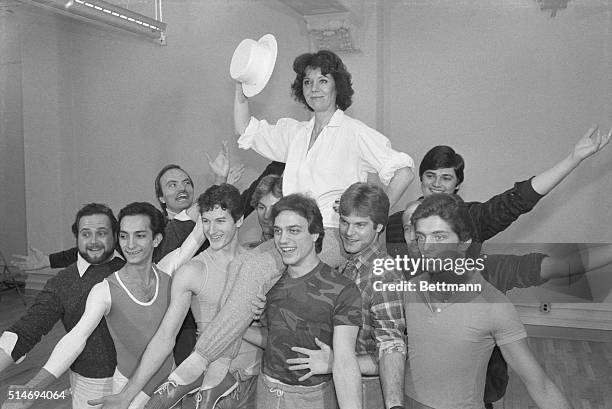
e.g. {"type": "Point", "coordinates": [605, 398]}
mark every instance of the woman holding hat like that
{"type": "Point", "coordinates": [330, 152]}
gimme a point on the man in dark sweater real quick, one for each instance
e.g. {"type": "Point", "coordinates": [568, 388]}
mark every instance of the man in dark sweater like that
{"type": "Point", "coordinates": [63, 298]}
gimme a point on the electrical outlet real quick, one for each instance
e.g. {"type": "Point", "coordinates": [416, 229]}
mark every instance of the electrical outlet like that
{"type": "Point", "coordinates": [545, 307]}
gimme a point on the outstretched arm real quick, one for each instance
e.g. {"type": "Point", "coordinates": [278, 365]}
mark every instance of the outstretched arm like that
{"type": "Point", "coordinates": [176, 258]}
{"type": "Point", "coordinates": [591, 258]}
{"type": "Point", "coordinates": [37, 260]}
{"type": "Point", "coordinates": [255, 273]}
{"type": "Point", "coordinates": [590, 143]}
{"type": "Point", "coordinates": [40, 318]}
{"type": "Point", "coordinates": [249, 275]}
{"type": "Point", "coordinates": [5, 360]}
{"type": "Point", "coordinates": [499, 212]}
{"type": "Point", "coordinates": [541, 389]}
{"type": "Point", "coordinates": [72, 344]}
{"type": "Point", "coordinates": [163, 341]}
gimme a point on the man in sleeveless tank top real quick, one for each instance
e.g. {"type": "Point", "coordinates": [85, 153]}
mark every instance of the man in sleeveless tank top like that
{"type": "Point", "coordinates": [199, 285]}
{"type": "Point", "coordinates": [133, 300]}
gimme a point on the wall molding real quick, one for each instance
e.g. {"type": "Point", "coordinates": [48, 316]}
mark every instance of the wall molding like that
{"type": "Point", "coordinates": [596, 316]}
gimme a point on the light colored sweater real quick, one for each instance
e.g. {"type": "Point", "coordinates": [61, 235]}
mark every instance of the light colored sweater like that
{"type": "Point", "coordinates": [249, 274]}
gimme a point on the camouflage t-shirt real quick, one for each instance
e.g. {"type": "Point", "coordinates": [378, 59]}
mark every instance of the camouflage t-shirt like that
{"type": "Point", "coordinates": [300, 309]}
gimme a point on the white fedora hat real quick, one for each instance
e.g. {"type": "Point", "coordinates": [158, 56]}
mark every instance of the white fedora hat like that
{"type": "Point", "coordinates": [253, 62]}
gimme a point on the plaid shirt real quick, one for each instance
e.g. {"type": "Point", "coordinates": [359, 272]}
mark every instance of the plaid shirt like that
{"type": "Point", "coordinates": [384, 323]}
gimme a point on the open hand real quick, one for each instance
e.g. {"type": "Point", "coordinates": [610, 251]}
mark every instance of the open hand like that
{"type": "Point", "coordinates": [235, 173]}
{"type": "Point", "coordinates": [36, 260]}
{"type": "Point", "coordinates": [221, 164]}
{"type": "Point", "coordinates": [317, 362]}
{"type": "Point", "coordinates": [591, 142]}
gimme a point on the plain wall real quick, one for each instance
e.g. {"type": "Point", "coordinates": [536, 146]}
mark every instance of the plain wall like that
{"type": "Point", "coordinates": [12, 166]}
{"type": "Point", "coordinates": [511, 90]}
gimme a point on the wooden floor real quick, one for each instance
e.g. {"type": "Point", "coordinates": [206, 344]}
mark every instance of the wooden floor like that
{"type": "Point", "coordinates": [582, 369]}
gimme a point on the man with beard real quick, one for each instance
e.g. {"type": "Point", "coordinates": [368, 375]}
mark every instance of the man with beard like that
{"type": "Point", "coordinates": [63, 298]}
{"type": "Point", "coordinates": [132, 302]}
{"type": "Point", "coordinates": [174, 190]}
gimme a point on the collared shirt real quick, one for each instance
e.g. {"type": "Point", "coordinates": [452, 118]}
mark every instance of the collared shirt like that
{"type": "Point", "coordinates": [83, 265]}
{"type": "Point", "coordinates": [384, 323]}
{"type": "Point", "coordinates": [170, 214]}
{"type": "Point", "coordinates": [450, 342]}
{"type": "Point", "coordinates": [344, 152]}
{"type": "Point", "coordinates": [182, 216]}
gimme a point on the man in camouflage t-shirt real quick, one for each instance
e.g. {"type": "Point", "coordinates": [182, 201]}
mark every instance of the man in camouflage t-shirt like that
{"type": "Point", "coordinates": [311, 302]}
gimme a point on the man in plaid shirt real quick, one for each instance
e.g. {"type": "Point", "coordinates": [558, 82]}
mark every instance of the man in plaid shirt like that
{"type": "Point", "coordinates": [380, 347]}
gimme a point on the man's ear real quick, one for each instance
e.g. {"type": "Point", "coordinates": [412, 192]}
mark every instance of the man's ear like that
{"type": "Point", "coordinates": [161, 199]}
{"type": "Point", "coordinates": [457, 186]}
{"type": "Point", "coordinates": [240, 221]}
{"type": "Point", "coordinates": [157, 239]}
{"type": "Point", "coordinates": [379, 228]}
{"type": "Point", "coordinates": [315, 237]}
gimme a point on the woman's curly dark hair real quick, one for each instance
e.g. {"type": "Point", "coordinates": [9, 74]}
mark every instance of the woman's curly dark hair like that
{"type": "Point", "coordinates": [329, 63]}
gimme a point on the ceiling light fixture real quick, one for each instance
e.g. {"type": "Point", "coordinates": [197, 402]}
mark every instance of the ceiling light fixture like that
{"type": "Point", "coordinates": [99, 11]}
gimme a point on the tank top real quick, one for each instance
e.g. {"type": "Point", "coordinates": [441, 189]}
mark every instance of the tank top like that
{"type": "Point", "coordinates": [205, 306]}
{"type": "Point", "coordinates": [132, 324]}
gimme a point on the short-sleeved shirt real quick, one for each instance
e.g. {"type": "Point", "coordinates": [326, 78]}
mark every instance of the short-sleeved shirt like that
{"type": "Point", "coordinates": [300, 309]}
{"type": "Point", "coordinates": [452, 344]}
{"type": "Point", "coordinates": [344, 152]}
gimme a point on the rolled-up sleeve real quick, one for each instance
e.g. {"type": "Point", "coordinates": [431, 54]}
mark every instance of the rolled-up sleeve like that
{"type": "Point", "coordinates": [378, 155]}
{"type": "Point", "coordinates": [250, 274]}
{"type": "Point", "coordinates": [388, 318]}
{"type": "Point", "coordinates": [270, 141]}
